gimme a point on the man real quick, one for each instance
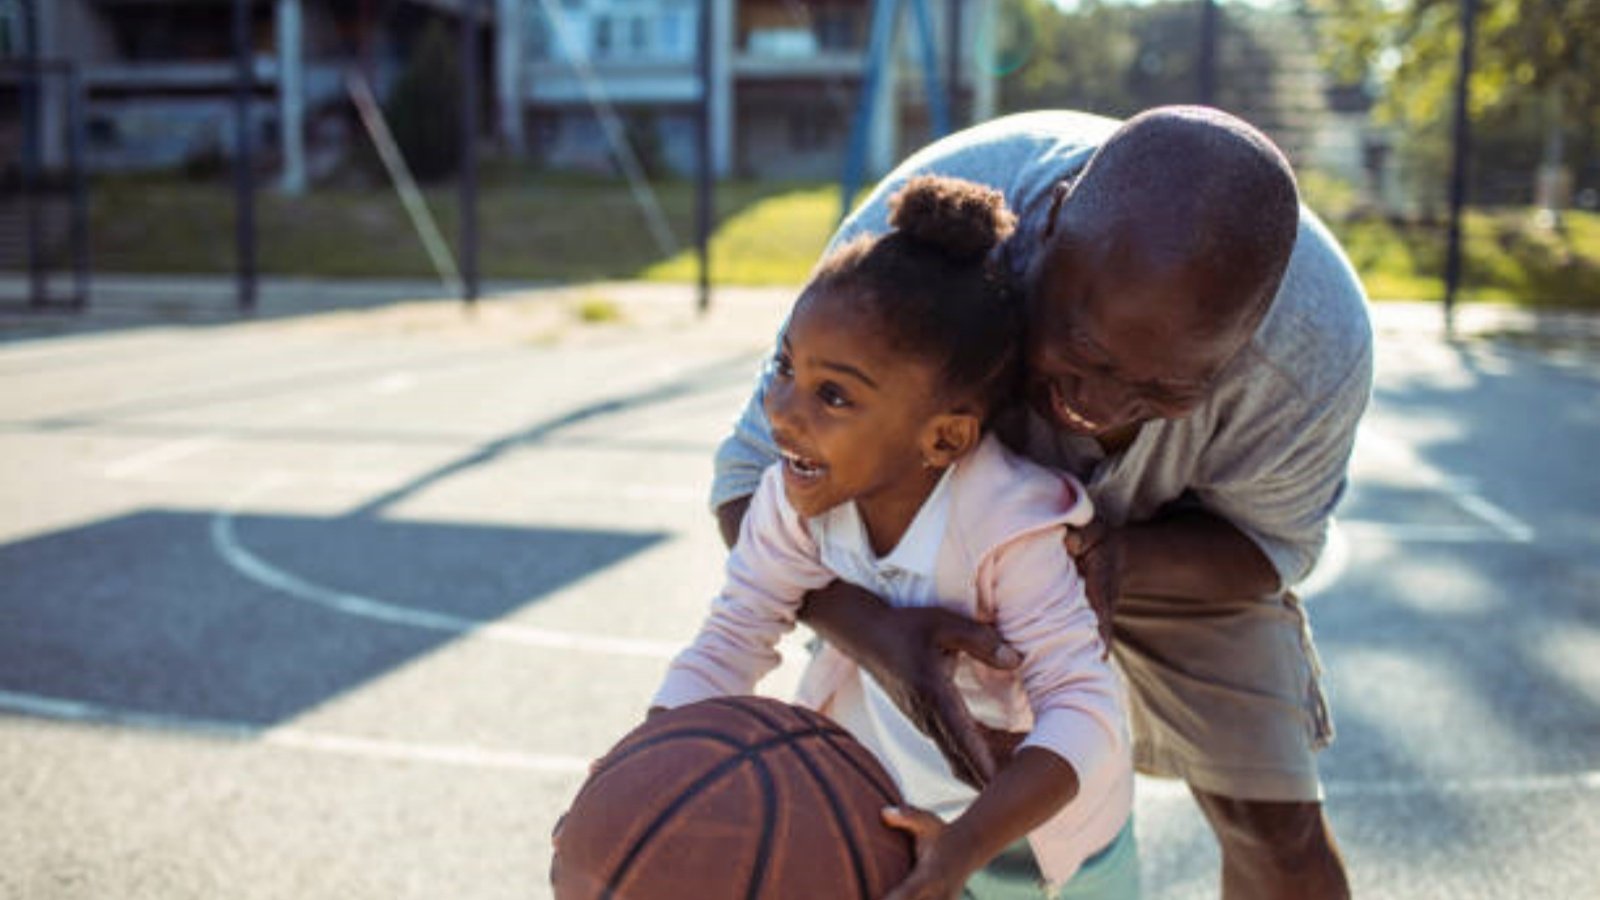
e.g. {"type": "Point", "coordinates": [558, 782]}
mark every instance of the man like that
{"type": "Point", "coordinates": [1199, 355]}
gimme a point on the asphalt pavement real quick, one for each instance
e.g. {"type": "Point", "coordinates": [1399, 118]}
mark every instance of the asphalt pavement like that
{"type": "Point", "coordinates": [339, 601]}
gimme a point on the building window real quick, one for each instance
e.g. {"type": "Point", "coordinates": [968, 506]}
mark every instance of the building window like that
{"type": "Point", "coordinates": [639, 35]}
{"type": "Point", "coordinates": [838, 29]}
{"type": "Point", "coordinates": [538, 37]}
{"type": "Point", "coordinates": [602, 37]}
{"type": "Point", "coordinates": [676, 34]}
{"type": "Point", "coordinates": [810, 128]}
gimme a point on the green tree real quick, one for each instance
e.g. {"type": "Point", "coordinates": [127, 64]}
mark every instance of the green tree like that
{"type": "Point", "coordinates": [424, 108]}
{"type": "Point", "coordinates": [1535, 87]}
{"type": "Point", "coordinates": [1117, 58]}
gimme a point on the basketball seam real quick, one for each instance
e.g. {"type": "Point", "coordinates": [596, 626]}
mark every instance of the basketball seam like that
{"type": "Point", "coordinates": [843, 821]}
{"type": "Point", "coordinates": [751, 752]}
{"type": "Point", "coordinates": [769, 815]}
{"type": "Point", "coordinates": [611, 761]}
{"type": "Point", "coordinates": [839, 816]}
{"type": "Point", "coordinates": [886, 793]}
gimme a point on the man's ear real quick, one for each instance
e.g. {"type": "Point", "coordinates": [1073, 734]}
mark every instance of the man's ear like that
{"type": "Point", "coordinates": [1057, 195]}
{"type": "Point", "coordinates": [948, 437]}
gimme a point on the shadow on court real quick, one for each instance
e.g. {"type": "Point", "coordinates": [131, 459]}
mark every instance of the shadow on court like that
{"type": "Point", "coordinates": [142, 613]}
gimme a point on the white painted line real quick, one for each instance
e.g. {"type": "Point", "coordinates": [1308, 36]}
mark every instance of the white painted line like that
{"type": "Point", "coordinates": [470, 756]}
{"type": "Point", "coordinates": [1460, 490]}
{"type": "Point", "coordinates": [1407, 533]}
{"type": "Point", "coordinates": [226, 543]}
{"type": "Point", "coordinates": [159, 456]}
{"type": "Point", "coordinates": [1473, 502]}
{"type": "Point", "coordinates": [464, 755]}
{"type": "Point", "coordinates": [1164, 789]}
{"type": "Point", "coordinates": [393, 383]}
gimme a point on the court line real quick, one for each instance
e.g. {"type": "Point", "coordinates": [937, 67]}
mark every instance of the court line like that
{"type": "Point", "coordinates": [462, 755]}
{"type": "Point", "coordinates": [1459, 490]}
{"type": "Point", "coordinates": [225, 541]}
{"type": "Point", "coordinates": [475, 757]}
{"type": "Point", "coordinates": [160, 455]}
{"type": "Point", "coordinates": [1418, 533]}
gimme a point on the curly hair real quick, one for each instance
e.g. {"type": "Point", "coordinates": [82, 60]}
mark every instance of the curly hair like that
{"type": "Point", "coordinates": [933, 285]}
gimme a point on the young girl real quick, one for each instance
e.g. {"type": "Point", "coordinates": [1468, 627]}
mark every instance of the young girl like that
{"type": "Point", "coordinates": [891, 362]}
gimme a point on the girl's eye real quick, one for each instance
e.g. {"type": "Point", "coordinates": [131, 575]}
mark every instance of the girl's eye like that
{"type": "Point", "coordinates": [833, 395]}
{"type": "Point", "coordinates": [781, 366]}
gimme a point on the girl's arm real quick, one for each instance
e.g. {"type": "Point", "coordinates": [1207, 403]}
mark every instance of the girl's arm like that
{"type": "Point", "coordinates": [1038, 604]}
{"type": "Point", "coordinates": [1024, 794]}
{"type": "Point", "coordinates": [771, 567]}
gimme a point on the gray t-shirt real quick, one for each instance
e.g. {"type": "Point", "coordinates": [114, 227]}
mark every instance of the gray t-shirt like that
{"type": "Point", "coordinates": [1268, 450]}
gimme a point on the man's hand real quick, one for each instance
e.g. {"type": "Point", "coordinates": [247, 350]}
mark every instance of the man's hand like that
{"type": "Point", "coordinates": [1097, 549]}
{"type": "Point", "coordinates": [911, 653]}
{"type": "Point", "coordinates": [931, 877]}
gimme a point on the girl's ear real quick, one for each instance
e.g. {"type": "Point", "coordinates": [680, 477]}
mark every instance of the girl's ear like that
{"type": "Point", "coordinates": [948, 437]}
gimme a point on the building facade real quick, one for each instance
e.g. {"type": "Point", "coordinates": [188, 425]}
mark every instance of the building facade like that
{"type": "Point", "coordinates": [566, 80]}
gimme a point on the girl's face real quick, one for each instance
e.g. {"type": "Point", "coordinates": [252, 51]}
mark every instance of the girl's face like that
{"type": "Point", "coordinates": [853, 418]}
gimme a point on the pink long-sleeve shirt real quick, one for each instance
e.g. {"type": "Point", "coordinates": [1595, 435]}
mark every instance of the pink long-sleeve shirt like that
{"type": "Point", "coordinates": [1001, 560]}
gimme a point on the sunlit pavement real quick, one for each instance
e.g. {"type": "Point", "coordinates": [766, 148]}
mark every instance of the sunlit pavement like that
{"type": "Point", "coordinates": [341, 605]}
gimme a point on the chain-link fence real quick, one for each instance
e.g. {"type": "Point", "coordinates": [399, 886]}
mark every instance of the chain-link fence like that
{"type": "Point", "coordinates": [589, 119]}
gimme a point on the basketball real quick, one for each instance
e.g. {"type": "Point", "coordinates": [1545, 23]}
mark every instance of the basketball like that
{"type": "Point", "coordinates": [736, 797]}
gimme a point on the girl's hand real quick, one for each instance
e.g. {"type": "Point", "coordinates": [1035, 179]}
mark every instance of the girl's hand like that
{"type": "Point", "coordinates": [931, 878]}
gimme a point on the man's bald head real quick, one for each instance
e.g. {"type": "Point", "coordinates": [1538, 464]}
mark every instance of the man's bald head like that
{"type": "Point", "coordinates": [1193, 190]}
{"type": "Point", "coordinates": [1162, 259]}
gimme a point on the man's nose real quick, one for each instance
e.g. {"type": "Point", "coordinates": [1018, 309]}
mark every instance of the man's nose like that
{"type": "Point", "coordinates": [1109, 401]}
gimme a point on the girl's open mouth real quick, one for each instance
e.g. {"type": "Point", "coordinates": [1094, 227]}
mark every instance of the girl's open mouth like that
{"type": "Point", "coordinates": [801, 467]}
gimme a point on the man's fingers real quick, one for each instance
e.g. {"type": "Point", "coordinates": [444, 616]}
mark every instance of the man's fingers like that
{"type": "Point", "coordinates": [977, 640]}
{"type": "Point", "coordinates": [957, 734]}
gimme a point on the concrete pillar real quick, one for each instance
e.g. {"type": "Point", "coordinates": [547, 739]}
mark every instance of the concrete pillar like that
{"type": "Point", "coordinates": [47, 18]}
{"type": "Point", "coordinates": [985, 84]}
{"type": "Point", "coordinates": [291, 95]}
{"type": "Point", "coordinates": [883, 135]}
{"type": "Point", "coordinates": [722, 123]}
{"type": "Point", "coordinates": [508, 75]}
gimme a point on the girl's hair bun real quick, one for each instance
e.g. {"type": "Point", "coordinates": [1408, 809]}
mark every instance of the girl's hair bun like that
{"type": "Point", "coordinates": [961, 219]}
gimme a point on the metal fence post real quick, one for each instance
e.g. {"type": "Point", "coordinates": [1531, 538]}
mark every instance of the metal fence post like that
{"type": "Point", "coordinates": [1458, 163]}
{"type": "Point", "coordinates": [469, 152]}
{"type": "Point", "coordinates": [243, 180]}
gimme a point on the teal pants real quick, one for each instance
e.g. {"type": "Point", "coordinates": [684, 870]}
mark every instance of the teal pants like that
{"type": "Point", "coordinates": [1111, 874]}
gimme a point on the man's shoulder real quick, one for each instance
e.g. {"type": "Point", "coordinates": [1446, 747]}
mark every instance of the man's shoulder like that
{"type": "Point", "coordinates": [1317, 339]}
{"type": "Point", "coordinates": [1021, 155]}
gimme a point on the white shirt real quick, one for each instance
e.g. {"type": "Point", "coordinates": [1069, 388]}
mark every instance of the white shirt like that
{"type": "Point", "coordinates": [905, 577]}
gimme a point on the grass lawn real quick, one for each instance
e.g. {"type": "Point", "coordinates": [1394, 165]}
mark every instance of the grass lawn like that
{"type": "Point", "coordinates": [567, 228]}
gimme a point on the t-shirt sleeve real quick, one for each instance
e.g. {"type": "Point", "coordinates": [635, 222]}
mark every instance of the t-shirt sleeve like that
{"type": "Point", "coordinates": [769, 570]}
{"type": "Point", "coordinates": [1289, 455]}
{"type": "Point", "coordinates": [1283, 500]}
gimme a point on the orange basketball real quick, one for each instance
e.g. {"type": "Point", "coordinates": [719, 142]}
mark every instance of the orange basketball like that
{"type": "Point", "coordinates": [736, 798]}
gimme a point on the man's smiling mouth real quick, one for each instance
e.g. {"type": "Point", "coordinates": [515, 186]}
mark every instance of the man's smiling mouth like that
{"type": "Point", "coordinates": [1071, 416]}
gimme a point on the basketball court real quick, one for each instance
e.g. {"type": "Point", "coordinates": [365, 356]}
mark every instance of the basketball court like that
{"type": "Point", "coordinates": [342, 605]}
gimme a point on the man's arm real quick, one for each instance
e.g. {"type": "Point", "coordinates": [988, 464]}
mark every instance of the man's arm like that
{"type": "Point", "coordinates": [909, 652]}
{"type": "Point", "coordinates": [730, 517]}
{"type": "Point", "coordinates": [1191, 554]}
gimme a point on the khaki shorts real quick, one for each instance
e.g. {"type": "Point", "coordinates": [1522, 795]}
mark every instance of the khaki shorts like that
{"type": "Point", "coordinates": [1226, 696]}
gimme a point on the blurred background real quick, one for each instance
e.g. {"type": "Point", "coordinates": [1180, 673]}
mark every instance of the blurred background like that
{"type": "Point", "coordinates": [559, 140]}
{"type": "Point", "coordinates": [360, 395]}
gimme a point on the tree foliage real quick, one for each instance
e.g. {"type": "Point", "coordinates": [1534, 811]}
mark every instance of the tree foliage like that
{"type": "Point", "coordinates": [424, 108]}
{"type": "Point", "coordinates": [1116, 58]}
{"type": "Point", "coordinates": [1536, 76]}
